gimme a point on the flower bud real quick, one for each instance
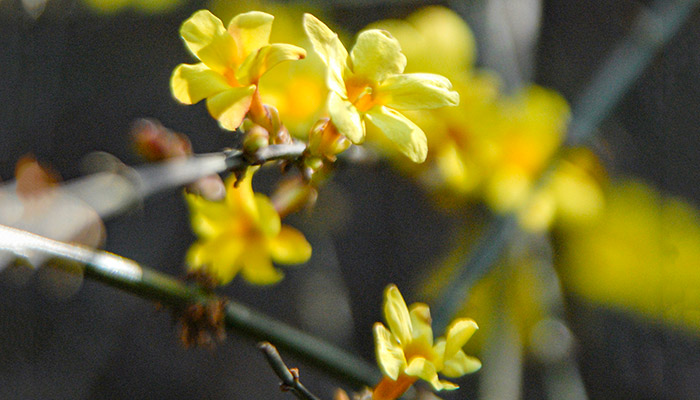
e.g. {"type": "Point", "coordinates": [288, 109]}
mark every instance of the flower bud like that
{"type": "Point", "coordinates": [326, 141]}
{"type": "Point", "coordinates": [256, 138]}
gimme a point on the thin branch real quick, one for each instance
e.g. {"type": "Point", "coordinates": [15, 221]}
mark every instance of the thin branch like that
{"type": "Point", "coordinates": [131, 277]}
{"type": "Point", "coordinates": [630, 58]}
{"type": "Point", "coordinates": [111, 192]}
{"type": "Point", "coordinates": [289, 377]}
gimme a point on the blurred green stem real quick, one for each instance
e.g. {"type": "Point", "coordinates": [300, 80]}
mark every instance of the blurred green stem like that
{"type": "Point", "coordinates": [653, 28]}
{"type": "Point", "coordinates": [131, 277]}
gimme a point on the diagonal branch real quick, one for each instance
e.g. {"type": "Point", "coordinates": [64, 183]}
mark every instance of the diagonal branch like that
{"type": "Point", "coordinates": [131, 277]}
{"type": "Point", "coordinates": [289, 377]}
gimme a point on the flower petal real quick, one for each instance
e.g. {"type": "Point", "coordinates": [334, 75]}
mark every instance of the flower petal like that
{"type": "Point", "coordinates": [421, 323]}
{"type": "Point", "coordinates": [417, 91]}
{"type": "Point", "coordinates": [396, 314]}
{"type": "Point", "coordinates": [425, 370]}
{"type": "Point", "coordinates": [219, 257]}
{"type": "Point", "coordinates": [457, 335]}
{"type": "Point", "coordinates": [346, 118]}
{"type": "Point", "coordinates": [460, 364]}
{"type": "Point", "coordinates": [208, 40]}
{"type": "Point", "coordinates": [251, 31]}
{"type": "Point", "coordinates": [257, 266]}
{"type": "Point", "coordinates": [390, 355]}
{"type": "Point", "coordinates": [331, 51]}
{"type": "Point", "coordinates": [265, 58]}
{"type": "Point", "coordinates": [241, 198]}
{"type": "Point", "coordinates": [289, 247]}
{"type": "Point", "coordinates": [377, 55]}
{"type": "Point", "coordinates": [267, 217]}
{"type": "Point", "coordinates": [409, 138]}
{"type": "Point", "coordinates": [231, 106]}
{"type": "Point", "coordinates": [192, 83]}
{"type": "Point", "coordinates": [206, 216]}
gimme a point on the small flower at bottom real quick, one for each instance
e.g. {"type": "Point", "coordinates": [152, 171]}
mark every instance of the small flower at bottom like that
{"type": "Point", "coordinates": [242, 233]}
{"type": "Point", "coordinates": [369, 85]}
{"type": "Point", "coordinates": [406, 352]}
{"type": "Point", "coordinates": [233, 60]}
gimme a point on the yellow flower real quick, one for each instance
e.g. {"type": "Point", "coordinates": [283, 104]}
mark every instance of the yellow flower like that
{"type": "Point", "coordinates": [368, 85]}
{"type": "Point", "coordinates": [526, 134]}
{"type": "Point", "coordinates": [406, 352]}
{"type": "Point", "coordinates": [233, 60]}
{"type": "Point", "coordinates": [640, 255]}
{"type": "Point", "coordinates": [242, 233]}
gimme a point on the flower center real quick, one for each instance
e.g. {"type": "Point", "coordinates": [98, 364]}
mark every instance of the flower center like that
{"type": "Point", "coordinates": [361, 94]}
{"type": "Point", "coordinates": [230, 76]}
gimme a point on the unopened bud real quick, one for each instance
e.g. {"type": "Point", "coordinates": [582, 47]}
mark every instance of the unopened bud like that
{"type": "Point", "coordinates": [326, 141]}
{"type": "Point", "coordinates": [154, 142]}
{"type": "Point", "coordinates": [210, 187]}
{"type": "Point", "coordinates": [256, 138]}
{"type": "Point", "coordinates": [293, 195]}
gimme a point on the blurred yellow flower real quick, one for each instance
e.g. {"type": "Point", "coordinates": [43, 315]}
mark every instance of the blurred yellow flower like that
{"type": "Point", "coordinates": [641, 254]}
{"type": "Point", "coordinates": [406, 352]}
{"type": "Point", "coordinates": [145, 6]}
{"type": "Point", "coordinates": [242, 233]}
{"type": "Point", "coordinates": [369, 85]}
{"type": "Point", "coordinates": [437, 40]}
{"type": "Point", "coordinates": [572, 195]}
{"type": "Point", "coordinates": [530, 128]}
{"type": "Point", "coordinates": [233, 60]}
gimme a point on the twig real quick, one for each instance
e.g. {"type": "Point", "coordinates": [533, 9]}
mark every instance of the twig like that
{"type": "Point", "coordinates": [110, 193]}
{"type": "Point", "coordinates": [290, 377]}
{"type": "Point", "coordinates": [131, 277]}
{"type": "Point", "coordinates": [651, 32]}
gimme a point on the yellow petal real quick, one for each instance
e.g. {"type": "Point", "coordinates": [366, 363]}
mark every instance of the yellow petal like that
{"type": "Point", "coordinates": [265, 58]}
{"type": "Point", "coordinates": [290, 247]}
{"type": "Point", "coordinates": [242, 197]}
{"type": "Point", "coordinates": [390, 356]}
{"type": "Point", "coordinates": [257, 266]}
{"type": "Point", "coordinates": [231, 106]}
{"type": "Point", "coordinates": [417, 91]}
{"type": "Point", "coordinates": [460, 364]}
{"type": "Point", "coordinates": [267, 217]}
{"type": "Point", "coordinates": [251, 31]}
{"type": "Point", "coordinates": [425, 370]}
{"type": "Point", "coordinates": [331, 51]}
{"type": "Point", "coordinates": [192, 83]}
{"type": "Point", "coordinates": [407, 136]}
{"type": "Point", "coordinates": [346, 118]}
{"type": "Point", "coordinates": [208, 40]}
{"type": "Point", "coordinates": [219, 257]}
{"type": "Point", "coordinates": [439, 353]}
{"type": "Point", "coordinates": [396, 314]}
{"type": "Point", "coordinates": [377, 55]}
{"type": "Point", "coordinates": [207, 217]}
{"type": "Point", "coordinates": [458, 333]}
{"type": "Point", "coordinates": [421, 323]}
{"type": "Point", "coordinates": [449, 39]}
{"type": "Point", "coordinates": [447, 385]}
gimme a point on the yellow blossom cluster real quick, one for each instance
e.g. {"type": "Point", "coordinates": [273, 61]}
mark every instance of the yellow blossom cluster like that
{"type": "Point", "coordinates": [492, 146]}
{"type": "Point", "coordinates": [364, 89]}
{"type": "Point", "coordinates": [365, 86]}
{"type": "Point", "coordinates": [406, 351]}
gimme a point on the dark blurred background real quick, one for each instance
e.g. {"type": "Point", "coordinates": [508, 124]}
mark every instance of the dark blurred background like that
{"type": "Point", "coordinates": [72, 81]}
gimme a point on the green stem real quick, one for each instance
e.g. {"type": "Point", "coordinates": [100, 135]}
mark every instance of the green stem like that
{"type": "Point", "coordinates": [133, 278]}
{"type": "Point", "coordinates": [651, 31]}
